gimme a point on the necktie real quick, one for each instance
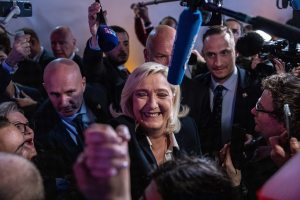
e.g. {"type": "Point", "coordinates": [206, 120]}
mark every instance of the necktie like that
{"type": "Point", "coordinates": [217, 113]}
{"type": "Point", "coordinates": [77, 121]}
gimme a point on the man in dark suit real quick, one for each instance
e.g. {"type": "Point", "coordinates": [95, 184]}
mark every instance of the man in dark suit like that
{"type": "Point", "coordinates": [71, 107]}
{"type": "Point", "coordinates": [238, 93]}
{"type": "Point", "coordinates": [63, 44]}
{"type": "Point", "coordinates": [109, 70]}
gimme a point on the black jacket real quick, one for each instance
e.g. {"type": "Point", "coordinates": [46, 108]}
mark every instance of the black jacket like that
{"type": "Point", "coordinates": [53, 136]}
{"type": "Point", "coordinates": [104, 71]}
{"type": "Point", "coordinates": [142, 160]}
{"type": "Point", "coordinates": [197, 97]}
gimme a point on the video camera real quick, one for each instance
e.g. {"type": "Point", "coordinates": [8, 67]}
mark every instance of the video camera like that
{"type": "Point", "coordinates": [283, 50]}
{"type": "Point", "coordinates": [253, 43]}
{"type": "Point", "coordinates": [209, 18]}
{"type": "Point", "coordinates": [12, 9]}
{"type": "Point", "coordinates": [7, 5]}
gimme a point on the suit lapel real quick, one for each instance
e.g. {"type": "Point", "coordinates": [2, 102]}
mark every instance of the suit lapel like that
{"type": "Point", "coordinates": [63, 137]}
{"type": "Point", "coordinates": [241, 95]}
{"type": "Point", "coordinates": [146, 148]}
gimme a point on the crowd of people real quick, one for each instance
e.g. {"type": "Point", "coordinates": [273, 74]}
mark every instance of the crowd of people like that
{"type": "Point", "coordinates": [75, 127]}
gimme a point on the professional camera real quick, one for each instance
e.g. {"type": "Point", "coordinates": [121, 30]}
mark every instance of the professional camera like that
{"type": "Point", "coordinates": [252, 44]}
{"type": "Point", "coordinates": [7, 5]}
{"type": "Point", "coordinates": [282, 49]}
{"type": "Point", "coordinates": [209, 18]}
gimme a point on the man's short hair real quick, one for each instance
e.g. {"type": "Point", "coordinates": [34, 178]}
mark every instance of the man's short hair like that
{"type": "Point", "coordinates": [237, 21]}
{"type": "Point", "coordinates": [20, 179]}
{"type": "Point", "coordinates": [212, 30]}
{"type": "Point", "coordinates": [285, 89]}
{"type": "Point", "coordinates": [192, 178]}
{"type": "Point", "coordinates": [118, 29]}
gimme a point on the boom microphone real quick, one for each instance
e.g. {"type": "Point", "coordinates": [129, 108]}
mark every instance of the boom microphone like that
{"type": "Point", "coordinates": [151, 3]}
{"type": "Point", "coordinates": [188, 27]}
{"type": "Point", "coordinates": [107, 38]}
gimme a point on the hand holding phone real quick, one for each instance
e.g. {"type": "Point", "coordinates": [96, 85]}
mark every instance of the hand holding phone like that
{"type": "Point", "coordinates": [101, 17]}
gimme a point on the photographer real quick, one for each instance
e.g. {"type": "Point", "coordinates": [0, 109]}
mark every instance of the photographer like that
{"type": "Point", "coordinates": [296, 71]}
{"type": "Point", "coordinates": [274, 64]}
{"type": "Point", "coordinates": [265, 58]}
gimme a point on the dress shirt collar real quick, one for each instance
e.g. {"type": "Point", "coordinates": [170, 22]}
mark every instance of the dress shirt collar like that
{"type": "Point", "coordinates": [229, 84]}
{"type": "Point", "coordinates": [82, 111]}
{"type": "Point", "coordinates": [169, 151]}
{"type": "Point", "coordinates": [72, 56]}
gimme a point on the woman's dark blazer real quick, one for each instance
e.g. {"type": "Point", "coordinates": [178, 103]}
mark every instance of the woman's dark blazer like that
{"type": "Point", "coordinates": [142, 160]}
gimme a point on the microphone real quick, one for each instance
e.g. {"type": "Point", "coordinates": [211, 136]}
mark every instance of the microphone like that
{"type": "Point", "coordinates": [295, 4]}
{"type": "Point", "coordinates": [151, 3]}
{"type": "Point", "coordinates": [249, 44]}
{"type": "Point", "coordinates": [188, 27]}
{"type": "Point", "coordinates": [107, 38]}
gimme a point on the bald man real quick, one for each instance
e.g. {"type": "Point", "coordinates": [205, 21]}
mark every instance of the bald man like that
{"type": "Point", "coordinates": [71, 107]}
{"type": "Point", "coordinates": [159, 45]}
{"type": "Point", "coordinates": [63, 44]}
{"type": "Point", "coordinates": [19, 179]}
{"type": "Point", "coordinates": [159, 48]}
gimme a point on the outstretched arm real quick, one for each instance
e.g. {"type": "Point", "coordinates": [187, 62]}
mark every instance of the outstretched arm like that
{"type": "Point", "coordinates": [102, 170]}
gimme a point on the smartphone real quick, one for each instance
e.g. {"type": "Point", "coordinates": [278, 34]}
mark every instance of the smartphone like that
{"type": "Point", "coordinates": [100, 16]}
{"type": "Point", "coordinates": [19, 34]}
{"type": "Point", "coordinates": [287, 119]}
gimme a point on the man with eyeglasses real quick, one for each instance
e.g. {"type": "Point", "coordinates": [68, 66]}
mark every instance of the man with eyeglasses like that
{"type": "Point", "coordinates": [269, 110]}
{"type": "Point", "coordinates": [269, 117]}
{"type": "Point", "coordinates": [278, 90]}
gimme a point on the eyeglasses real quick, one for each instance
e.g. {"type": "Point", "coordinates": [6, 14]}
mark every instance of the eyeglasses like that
{"type": "Point", "coordinates": [259, 108]}
{"type": "Point", "coordinates": [23, 127]}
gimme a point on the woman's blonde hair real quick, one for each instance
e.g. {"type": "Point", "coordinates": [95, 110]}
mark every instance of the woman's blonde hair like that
{"type": "Point", "coordinates": [139, 74]}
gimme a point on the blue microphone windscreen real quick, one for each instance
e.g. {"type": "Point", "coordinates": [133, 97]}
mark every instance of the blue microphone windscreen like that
{"type": "Point", "coordinates": [295, 4]}
{"type": "Point", "coordinates": [188, 27]}
{"type": "Point", "coordinates": [107, 38]}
